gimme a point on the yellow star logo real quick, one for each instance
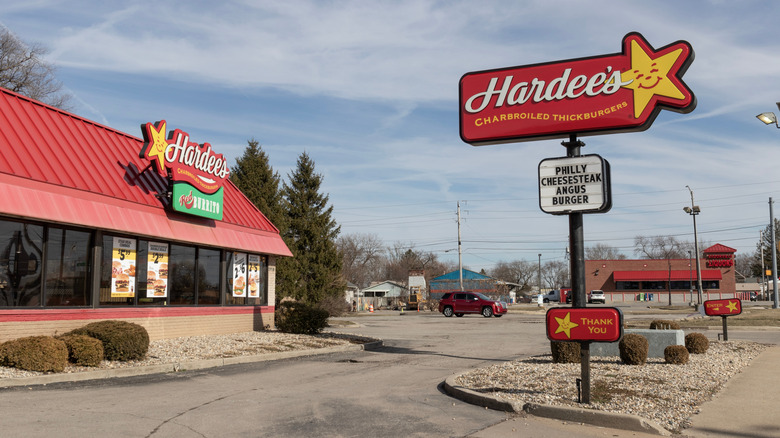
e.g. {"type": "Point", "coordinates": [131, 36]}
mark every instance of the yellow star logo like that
{"type": "Point", "coordinates": [565, 325]}
{"type": "Point", "coordinates": [650, 77]}
{"type": "Point", "coordinates": [732, 306]}
{"type": "Point", "coordinates": [156, 144]}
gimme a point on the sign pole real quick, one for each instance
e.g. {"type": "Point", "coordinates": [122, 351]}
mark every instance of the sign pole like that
{"type": "Point", "coordinates": [725, 328]}
{"type": "Point", "coordinates": [579, 298]}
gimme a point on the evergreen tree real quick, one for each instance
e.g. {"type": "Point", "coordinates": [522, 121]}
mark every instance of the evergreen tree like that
{"type": "Point", "coordinates": [313, 273]}
{"type": "Point", "coordinates": [254, 176]}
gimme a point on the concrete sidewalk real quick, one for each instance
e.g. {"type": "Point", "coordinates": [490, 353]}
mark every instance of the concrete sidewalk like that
{"type": "Point", "coordinates": [747, 406]}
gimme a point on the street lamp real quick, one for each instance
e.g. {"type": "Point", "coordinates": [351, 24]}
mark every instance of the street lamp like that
{"type": "Point", "coordinates": [694, 210]}
{"type": "Point", "coordinates": [539, 277]}
{"type": "Point", "coordinates": [769, 118]}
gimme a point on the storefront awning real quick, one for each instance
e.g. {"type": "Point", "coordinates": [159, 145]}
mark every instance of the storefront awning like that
{"type": "Point", "coordinates": [706, 275]}
{"type": "Point", "coordinates": [28, 199]}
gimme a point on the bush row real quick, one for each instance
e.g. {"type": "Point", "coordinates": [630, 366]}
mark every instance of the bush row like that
{"type": "Point", "coordinates": [633, 350]}
{"type": "Point", "coordinates": [85, 346]}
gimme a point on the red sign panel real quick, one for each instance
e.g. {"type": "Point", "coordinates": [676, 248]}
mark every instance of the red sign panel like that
{"type": "Point", "coordinates": [596, 95]}
{"type": "Point", "coordinates": [729, 307]}
{"type": "Point", "coordinates": [599, 324]}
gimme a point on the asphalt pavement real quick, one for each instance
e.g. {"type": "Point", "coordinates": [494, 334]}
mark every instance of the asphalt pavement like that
{"type": "Point", "coordinates": [745, 407]}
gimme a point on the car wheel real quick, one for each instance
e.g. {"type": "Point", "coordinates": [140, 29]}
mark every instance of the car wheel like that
{"type": "Point", "coordinates": [487, 312]}
{"type": "Point", "coordinates": [458, 315]}
{"type": "Point", "coordinates": [448, 311]}
{"type": "Point", "coordinates": [546, 300]}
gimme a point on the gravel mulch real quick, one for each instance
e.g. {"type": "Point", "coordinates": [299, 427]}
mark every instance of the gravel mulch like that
{"type": "Point", "coordinates": [175, 350]}
{"type": "Point", "coordinates": [657, 391]}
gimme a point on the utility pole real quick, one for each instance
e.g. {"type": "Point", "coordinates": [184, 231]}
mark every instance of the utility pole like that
{"type": "Point", "coordinates": [460, 254]}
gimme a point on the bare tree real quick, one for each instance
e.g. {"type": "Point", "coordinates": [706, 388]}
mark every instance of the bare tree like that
{"type": "Point", "coordinates": [520, 272]}
{"type": "Point", "coordinates": [363, 257]}
{"type": "Point", "coordinates": [602, 251]}
{"type": "Point", "coordinates": [403, 257]}
{"type": "Point", "coordinates": [23, 70]}
{"type": "Point", "coordinates": [555, 274]}
{"type": "Point", "coordinates": [661, 247]}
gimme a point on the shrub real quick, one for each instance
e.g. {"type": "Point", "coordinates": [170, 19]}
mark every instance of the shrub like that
{"type": "Point", "coordinates": [676, 354]}
{"type": "Point", "coordinates": [35, 353]}
{"type": "Point", "coordinates": [662, 324]}
{"type": "Point", "coordinates": [83, 350]}
{"type": "Point", "coordinates": [565, 352]}
{"type": "Point", "coordinates": [335, 305]}
{"type": "Point", "coordinates": [633, 349]}
{"type": "Point", "coordinates": [121, 340]}
{"type": "Point", "coordinates": [300, 318]}
{"type": "Point", "coordinates": [696, 343]}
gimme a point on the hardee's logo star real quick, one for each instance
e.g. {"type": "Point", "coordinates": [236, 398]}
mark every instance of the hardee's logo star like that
{"type": "Point", "coordinates": [653, 75]}
{"type": "Point", "coordinates": [155, 144]}
{"type": "Point", "coordinates": [732, 306]}
{"type": "Point", "coordinates": [565, 325]}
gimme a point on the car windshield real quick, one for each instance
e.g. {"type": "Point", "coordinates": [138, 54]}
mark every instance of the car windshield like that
{"type": "Point", "coordinates": [482, 297]}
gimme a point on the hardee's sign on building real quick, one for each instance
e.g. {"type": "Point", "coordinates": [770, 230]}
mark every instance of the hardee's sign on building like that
{"type": "Point", "coordinates": [596, 95]}
{"type": "Point", "coordinates": [196, 172]}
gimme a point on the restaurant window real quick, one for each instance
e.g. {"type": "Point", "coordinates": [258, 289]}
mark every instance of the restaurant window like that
{"type": "Point", "coordinates": [712, 284]}
{"type": "Point", "coordinates": [67, 268]}
{"type": "Point", "coordinates": [681, 285]}
{"type": "Point", "coordinates": [246, 278]}
{"type": "Point", "coordinates": [208, 276]}
{"type": "Point", "coordinates": [21, 249]}
{"type": "Point", "coordinates": [181, 274]}
{"type": "Point", "coordinates": [651, 285]}
{"type": "Point", "coordinates": [627, 285]}
{"type": "Point", "coordinates": [119, 271]}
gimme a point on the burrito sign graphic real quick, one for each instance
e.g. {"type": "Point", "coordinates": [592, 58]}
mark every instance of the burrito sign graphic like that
{"type": "Point", "coordinates": [196, 173]}
{"type": "Point", "coordinates": [620, 92]}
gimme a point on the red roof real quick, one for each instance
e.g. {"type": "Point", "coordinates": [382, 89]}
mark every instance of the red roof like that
{"type": "Point", "coordinates": [719, 248]}
{"type": "Point", "coordinates": [706, 274]}
{"type": "Point", "coordinates": [62, 168]}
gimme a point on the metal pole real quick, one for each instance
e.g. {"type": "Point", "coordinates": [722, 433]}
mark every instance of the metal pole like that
{"type": "Point", "coordinates": [460, 254]}
{"type": "Point", "coordinates": [763, 269]}
{"type": "Point", "coordinates": [774, 251]}
{"type": "Point", "coordinates": [539, 274]}
{"type": "Point", "coordinates": [698, 264]}
{"type": "Point", "coordinates": [577, 244]}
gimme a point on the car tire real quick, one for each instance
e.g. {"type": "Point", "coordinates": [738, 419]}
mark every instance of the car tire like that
{"type": "Point", "coordinates": [448, 311]}
{"type": "Point", "coordinates": [458, 315]}
{"type": "Point", "coordinates": [487, 312]}
{"type": "Point", "coordinates": [498, 316]}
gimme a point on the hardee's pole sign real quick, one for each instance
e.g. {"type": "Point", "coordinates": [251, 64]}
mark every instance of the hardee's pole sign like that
{"type": "Point", "coordinates": [598, 324]}
{"type": "Point", "coordinates": [620, 92]}
{"type": "Point", "coordinates": [197, 173]}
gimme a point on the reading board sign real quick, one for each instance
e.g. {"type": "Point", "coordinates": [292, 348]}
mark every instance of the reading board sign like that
{"type": "Point", "coordinates": [574, 184]}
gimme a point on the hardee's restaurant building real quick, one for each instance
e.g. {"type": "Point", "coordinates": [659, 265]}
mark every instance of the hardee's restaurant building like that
{"type": "Point", "coordinates": [97, 224]}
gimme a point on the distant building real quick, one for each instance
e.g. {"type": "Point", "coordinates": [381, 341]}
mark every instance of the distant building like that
{"type": "Point", "coordinates": [652, 279]}
{"type": "Point", "coordinates": [472, 281]}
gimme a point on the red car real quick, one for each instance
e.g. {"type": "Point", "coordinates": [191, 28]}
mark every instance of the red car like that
{"type": "Point", "coordinates": [460, 303]}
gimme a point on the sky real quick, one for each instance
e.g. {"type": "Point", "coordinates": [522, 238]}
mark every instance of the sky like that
{"type": "Point", "coordinates": [369, 90]}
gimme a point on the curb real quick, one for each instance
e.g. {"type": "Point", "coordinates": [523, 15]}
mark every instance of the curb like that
{"type": "Point", "coordinates": [590, 416]}
{"type": "Point", "coordinates": [180, 366]}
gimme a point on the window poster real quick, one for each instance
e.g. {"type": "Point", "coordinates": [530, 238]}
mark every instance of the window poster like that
{"type": "Point", "coordinates": [254, 276]}
{"type": "Point", "coordinates": [123, 268]}
{"type": "Point", "coordinates": [239, 274]}
{"type": "Point", "coordinates": [157, 271]}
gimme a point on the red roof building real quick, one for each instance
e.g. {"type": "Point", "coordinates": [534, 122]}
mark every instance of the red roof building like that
{"type": "Point", "coordinates": [87, 218]}
{"type": "Point", "coordinates": [663, 280]}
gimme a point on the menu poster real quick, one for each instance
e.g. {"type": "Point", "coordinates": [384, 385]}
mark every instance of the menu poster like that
{"type": "Point", "coordinates": [254, 276]}
{"type": "Point", "coordinates": [157, 271]}
{"type": "Point", "coordinates": [239, 274]}
{"type": "Point", "coordinates": [123, 268]}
